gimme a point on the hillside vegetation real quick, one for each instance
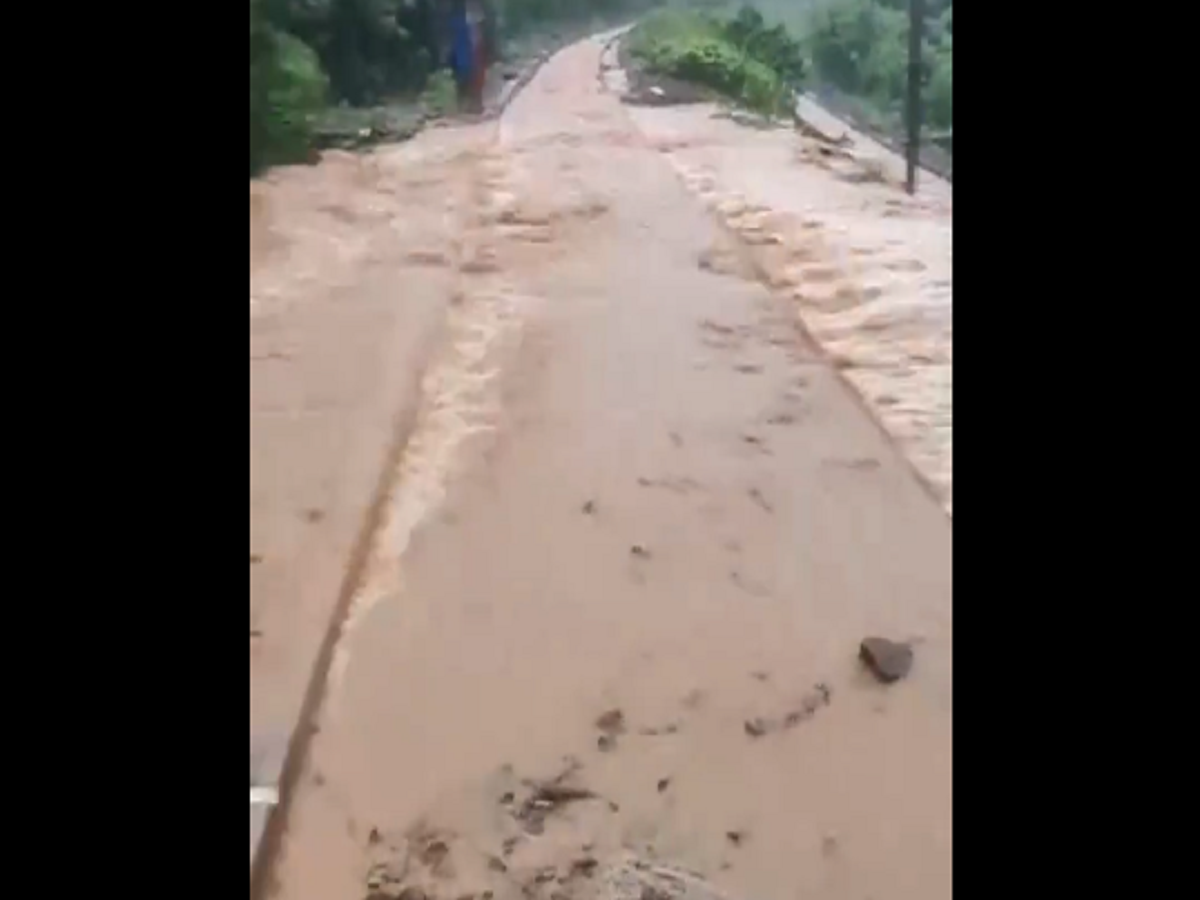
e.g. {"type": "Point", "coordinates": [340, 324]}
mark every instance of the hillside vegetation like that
{"type": "Point", "coordinates": [319, 65]}
{"type": "Point", "coordinates": [861, 48]}
{"type": "Point", "coordinates": [739, 56]}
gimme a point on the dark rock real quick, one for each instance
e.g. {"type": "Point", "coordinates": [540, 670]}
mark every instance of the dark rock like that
{"type": "Point", "coordinates": [735, 837]}
{"type": "Point", "coordinates": [887, 660]}
{"type": "Point", "coordinates": [589, 508]}
{"type": "Point", "coordinates": [412, 893]}
{"type": "Point", "coordinates": [605, 743]}
{"type": "Point", "coordinates": [663, 784]}
{"type": "Point", "coordinates": [496, 864]}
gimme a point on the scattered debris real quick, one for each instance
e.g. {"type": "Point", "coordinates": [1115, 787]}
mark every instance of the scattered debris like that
{"type": "Point", "coordinates": [829, 846]}
{"type": "Point", "coordinates": [434, 853]}
{"type": "Point", "coordinates": [757, 727]}
{"type": "Point", "coordinates": [611, 722]}
{"type": "Point", "coordinates": [887, 660]}
{"type": "Point", "coordinates": [546, 797]}
{"type": "Point", "coordinates": [584, 866]}
{"type": "Point", "coordinates": [388, 877]}
{"type": "Point", "coordinates": [856, 464]}
{"type": "Point", "coordinates": [552, 795]}
{"type": "Point", "coordinates": [819, 696]}
{"type": "Point", "coordinates": [677, 485]}
{"type": "Point", "coordinates": [753, 588]}
{"type": "Point", "coordinates": [757, 496]}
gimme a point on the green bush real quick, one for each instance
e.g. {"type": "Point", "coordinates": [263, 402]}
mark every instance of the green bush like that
{"type": "Point", "coordinates": [771, 45]}
{"type": "Point", "coordinates": [740, 58]}
{"type": "Point", "coordinates": [287, 89]}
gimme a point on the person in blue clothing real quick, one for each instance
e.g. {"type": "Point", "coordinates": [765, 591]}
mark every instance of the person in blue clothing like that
{"type": "Point", "coordinates": [468, 58]}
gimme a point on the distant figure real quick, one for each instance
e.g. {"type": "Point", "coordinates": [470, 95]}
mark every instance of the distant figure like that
{"type": "Point", "coordinates": [468, 54]}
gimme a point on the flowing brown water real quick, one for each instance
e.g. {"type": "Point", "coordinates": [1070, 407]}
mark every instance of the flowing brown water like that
{"type": "Point", "coordinates": [631, 486]}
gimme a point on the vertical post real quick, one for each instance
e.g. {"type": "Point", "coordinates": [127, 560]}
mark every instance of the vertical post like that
{"type": "Point", "coordinates": [916, 27]}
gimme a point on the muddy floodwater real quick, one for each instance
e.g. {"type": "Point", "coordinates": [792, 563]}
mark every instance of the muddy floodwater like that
{"type": "Point", "coordinates": [606, 627]}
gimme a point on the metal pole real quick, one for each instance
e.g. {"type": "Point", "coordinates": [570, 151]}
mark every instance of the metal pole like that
{"type": "Point", "coordinates": [916, 26]}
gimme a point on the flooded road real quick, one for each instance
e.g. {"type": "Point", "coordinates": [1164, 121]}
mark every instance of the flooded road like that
{"type": "Point", "coordinates": [637, 530]}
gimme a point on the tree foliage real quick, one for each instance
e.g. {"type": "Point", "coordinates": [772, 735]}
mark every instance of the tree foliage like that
{"type": "Point", "coordinates": [287, 88]}
{"type": "Point", "coordinates": [363, 53]}
{"type": "Point", "coordinates": [861, 47]}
